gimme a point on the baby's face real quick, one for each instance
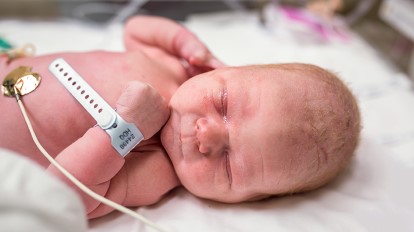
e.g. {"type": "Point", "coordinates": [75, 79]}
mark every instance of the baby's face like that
{"type": "Point", "coordinates": [225, 135]}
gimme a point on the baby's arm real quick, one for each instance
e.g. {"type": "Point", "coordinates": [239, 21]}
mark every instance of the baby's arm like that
{"type": "Point", "coordinates": [94, 161]}
{"type": "Point", "coordinates": [150, 33]}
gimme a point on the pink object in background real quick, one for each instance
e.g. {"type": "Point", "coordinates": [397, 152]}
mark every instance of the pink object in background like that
{"type": "Point", "coordinates": [326, 30]}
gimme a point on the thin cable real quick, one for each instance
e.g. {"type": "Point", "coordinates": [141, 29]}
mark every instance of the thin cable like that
{"type": "Point", "coordinates": [131, 8]}
{"type": "Point", "coordinates": [79, 184]}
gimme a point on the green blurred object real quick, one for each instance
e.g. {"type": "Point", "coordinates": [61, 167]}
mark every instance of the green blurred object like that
{"type": "Point", "coordinates": [4, 45]}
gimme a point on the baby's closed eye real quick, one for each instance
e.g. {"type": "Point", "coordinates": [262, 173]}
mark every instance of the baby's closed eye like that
{"type": "Point", "coordinates": [227, 165]}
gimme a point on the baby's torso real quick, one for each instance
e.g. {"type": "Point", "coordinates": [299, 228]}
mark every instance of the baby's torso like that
{"type": "Point", "coordinates": [58, 119]}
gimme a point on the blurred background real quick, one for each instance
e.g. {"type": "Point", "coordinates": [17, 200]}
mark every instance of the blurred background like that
{"type": "Point", "coordinates": [388, 26]}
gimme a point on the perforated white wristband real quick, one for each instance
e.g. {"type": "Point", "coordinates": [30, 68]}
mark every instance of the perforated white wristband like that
{"type": "Point", "coordinates": [124, 136]}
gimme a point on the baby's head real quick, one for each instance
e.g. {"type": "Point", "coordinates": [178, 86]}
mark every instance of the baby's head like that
{"type": "Point", "coordinates": [246, 133]}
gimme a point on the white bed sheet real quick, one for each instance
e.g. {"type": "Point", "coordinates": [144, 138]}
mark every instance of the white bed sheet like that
{"type": "Point", "coordinates": [32, 200]}
{"type": "Point", "coordinates": [374, 194]}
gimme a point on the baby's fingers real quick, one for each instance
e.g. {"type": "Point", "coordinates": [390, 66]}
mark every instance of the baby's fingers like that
{"type": "Point", "coordinates": [144, 106]}
{"type": "Point", "coordinates": [194, 51]}
{"type": "Point", "coordinates": [205, 60]}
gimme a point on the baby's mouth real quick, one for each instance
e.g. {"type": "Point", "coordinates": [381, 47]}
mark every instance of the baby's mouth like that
{"type": "Point", "coordinates": [189, 143]}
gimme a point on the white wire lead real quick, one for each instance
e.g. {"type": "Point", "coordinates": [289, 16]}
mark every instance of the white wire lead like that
{"type": "Point", "coordinates": [79, 184]}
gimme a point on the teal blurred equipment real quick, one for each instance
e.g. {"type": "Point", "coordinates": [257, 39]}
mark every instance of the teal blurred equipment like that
{"type": "Point", "coordinates": [4, 45]}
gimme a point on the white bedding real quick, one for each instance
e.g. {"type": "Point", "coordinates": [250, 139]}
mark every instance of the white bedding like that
{"type": "Point", "coordinates": [32, 200]}
{"type": "Point", "coordinates": [374, 194]}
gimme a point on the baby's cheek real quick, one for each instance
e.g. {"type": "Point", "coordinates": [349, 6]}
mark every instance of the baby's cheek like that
{"type": "Point", "coordinates": [195, 177]}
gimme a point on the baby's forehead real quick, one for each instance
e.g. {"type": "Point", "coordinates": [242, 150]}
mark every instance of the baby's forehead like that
{"type": "Point", "coordinates": [294, 109]}
{"type": "Point", "coordinates": [272, 75]}
{"type": "Point", "coordinates": [268, 93]}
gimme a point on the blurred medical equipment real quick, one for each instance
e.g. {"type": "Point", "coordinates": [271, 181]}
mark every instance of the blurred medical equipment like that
{"type": "Point", "coordinates": [399, 14]}
{"type": "Point", "coordinates": [313, 21]}
{"type": "Point", "coordinates": [119, 11]}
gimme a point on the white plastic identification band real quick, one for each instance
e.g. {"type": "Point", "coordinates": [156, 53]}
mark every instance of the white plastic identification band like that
{"type": "Point", "coordinates": [124, 136]}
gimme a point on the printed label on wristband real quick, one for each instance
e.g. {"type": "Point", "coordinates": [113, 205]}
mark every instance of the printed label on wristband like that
{"type": "Point", "coordinates": [124, 136]}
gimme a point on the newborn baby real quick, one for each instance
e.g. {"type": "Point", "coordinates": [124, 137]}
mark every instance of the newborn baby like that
{"type": "Point", "coordinates": [251, 132]}
{"type": "Point", "coordinates": [229, 134]}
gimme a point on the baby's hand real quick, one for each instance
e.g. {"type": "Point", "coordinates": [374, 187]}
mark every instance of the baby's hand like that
{"type": "Point", "coordinates": [197, 55]}
{"type": "Point", "coordinates": [142, 105]}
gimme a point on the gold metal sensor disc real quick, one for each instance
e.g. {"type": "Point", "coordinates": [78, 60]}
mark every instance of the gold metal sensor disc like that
{"type": "Point", "coordinates": [20, 81]}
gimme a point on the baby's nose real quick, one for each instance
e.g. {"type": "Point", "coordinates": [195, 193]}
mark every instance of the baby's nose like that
{"type": "Point", "coordinates": [211, 135]}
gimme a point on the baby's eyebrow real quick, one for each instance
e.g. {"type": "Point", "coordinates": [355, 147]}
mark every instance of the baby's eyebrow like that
{"type": "Point", "coordinates": [244, 105]}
